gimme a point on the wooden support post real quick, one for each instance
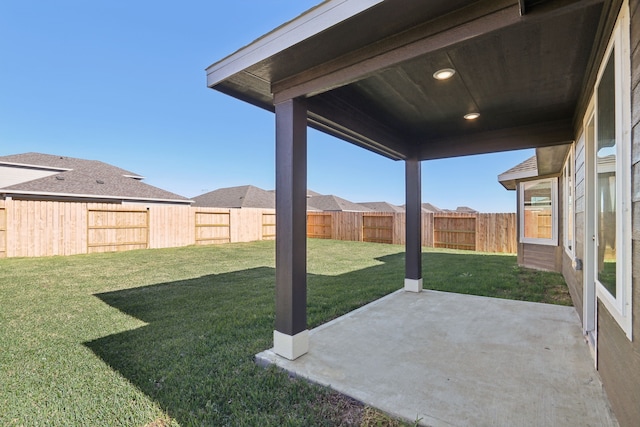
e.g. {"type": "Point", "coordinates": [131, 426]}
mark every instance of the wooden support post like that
{"type": "Point", "coordinates": [291, 334]}
{"type": "Point", "coordinates": [413, 240]}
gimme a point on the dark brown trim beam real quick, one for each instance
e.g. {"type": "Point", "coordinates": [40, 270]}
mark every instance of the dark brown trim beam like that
{"type": "Point", "coordinates": [532, 136]}
{"type": "Point", "coordinates": [480, 18]}
{"type": "Point", "coordinates": [332, 115]}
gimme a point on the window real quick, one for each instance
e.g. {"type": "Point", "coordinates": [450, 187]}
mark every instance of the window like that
{"type": "Point", "coordinates": [539, 212]}
{"type": "Point", "coordinates": [612, 177]}
{"type": "Point", "coordinates": [568, 200]}
{"type": "Point", "coordinates": [606, 163]}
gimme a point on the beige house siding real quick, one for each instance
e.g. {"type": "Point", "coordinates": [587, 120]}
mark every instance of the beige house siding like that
{"type": "Point", "coordinates": [11, 175]}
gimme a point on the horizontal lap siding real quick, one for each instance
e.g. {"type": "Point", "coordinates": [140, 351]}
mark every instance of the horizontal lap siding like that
{"type": "Point", "coordinates": [542, 257]}
{"type": "Point", "coordinates": [618, 357]}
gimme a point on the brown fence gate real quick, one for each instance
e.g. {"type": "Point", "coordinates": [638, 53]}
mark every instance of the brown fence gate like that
{"type": "Point", "coordinates": [268, 226]}
{"type": "Point", "coordinates": [319, 226]}
{"type": "Point", "coordinates": [377, 228]}
{"type": "Point", "coordinates": [213, 227]}
{"type": "Point", "coordinates": [454, 232]}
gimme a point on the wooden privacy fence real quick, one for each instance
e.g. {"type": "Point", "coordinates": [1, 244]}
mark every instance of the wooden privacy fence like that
{"type": "Point", "coordinates": [43, 228]}
{"type": "Point", "coordinates": [114, 229]}
{"type": "Point", "coordinates": [213, 227]}
{"type": "Point", "coordinates": [481, 232]}
{"type": "Point", "coordinates": [319, 225]}
{"type": "Point", "coordinates": [454, 232]}
{"type": "Point", "coordinates": [3, 231]}
{"type": "Point", "coordinates": [31, 228]}
{"type": "Point", "coordinates": [377, 228]}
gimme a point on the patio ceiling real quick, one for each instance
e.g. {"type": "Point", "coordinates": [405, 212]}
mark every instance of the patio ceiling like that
{"type": "Point", "coordinates": [366, 69]}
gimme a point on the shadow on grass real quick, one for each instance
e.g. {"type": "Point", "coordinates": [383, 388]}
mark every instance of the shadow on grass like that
{"type": "Point", "coordinates": [195, 355]}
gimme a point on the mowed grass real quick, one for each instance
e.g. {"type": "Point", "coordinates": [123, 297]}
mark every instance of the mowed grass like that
{"type": "Point", "coordinates": [167, 337]}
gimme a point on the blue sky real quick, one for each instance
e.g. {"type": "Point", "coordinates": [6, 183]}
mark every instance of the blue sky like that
{"type": "Point", "coordinates": [123, 82]}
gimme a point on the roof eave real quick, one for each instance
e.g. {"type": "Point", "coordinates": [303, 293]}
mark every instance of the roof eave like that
{"type": "Point", "coordinates": [30, 166]}
{"type": "Point", "coordinates": [310, 23]}
{"type": "Point", "coordinates": [12, 193]}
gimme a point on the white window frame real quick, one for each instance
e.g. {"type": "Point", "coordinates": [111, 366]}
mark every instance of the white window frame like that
{"type": "Point", "coordinates": [553, 241]}
{"type": "Point", "coordinates": [620, 306]}
{"type": "Point", "coordinates": [569, 203]}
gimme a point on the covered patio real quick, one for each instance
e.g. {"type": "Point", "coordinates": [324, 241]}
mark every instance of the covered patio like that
{"type": "Point", "coordinates": [415, 80]}
{"type": "Point", "coordinates": [459, 360]}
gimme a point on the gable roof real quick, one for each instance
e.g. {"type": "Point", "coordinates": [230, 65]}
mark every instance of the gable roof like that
{"type": "Point", "coordinates": [79, 178]}
{"type": "Point", "coordinates": [381, 207]}
{"type": "Point", "coordinates": [526, 169]}
{"type": "Point", "coordinates": [245, 196]}
{"type": "Point", "coordinates": [465, 209]}
{"type": "Point", "coordinates": [428, 207]}
{"type": "Point", "coordinates": [334, 203]}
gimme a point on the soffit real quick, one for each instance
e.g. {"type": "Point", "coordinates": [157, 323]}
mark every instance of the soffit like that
{"type": "Point", "coordinates": [368, 79]}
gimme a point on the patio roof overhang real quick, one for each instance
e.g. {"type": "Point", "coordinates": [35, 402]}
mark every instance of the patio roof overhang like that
{"type": "Point", "coordinates": [365, 68]}
{"type": "Point", "coordinates": [363, 71]}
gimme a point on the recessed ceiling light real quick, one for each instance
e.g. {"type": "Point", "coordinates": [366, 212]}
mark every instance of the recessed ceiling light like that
{"type": "Point", "coordinates": [444, 74]}
{"type": "Point", "coordinates": [472, 116]}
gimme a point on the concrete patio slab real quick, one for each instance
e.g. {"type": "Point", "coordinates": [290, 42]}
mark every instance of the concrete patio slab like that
{"type": "Point", "coordinates": [458, 360]}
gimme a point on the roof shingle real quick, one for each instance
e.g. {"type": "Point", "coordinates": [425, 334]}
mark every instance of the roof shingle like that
{"type": "Point", "coordinates": [83, 178]}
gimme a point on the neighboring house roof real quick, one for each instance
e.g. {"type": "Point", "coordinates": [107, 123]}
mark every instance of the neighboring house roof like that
{"type": "Point", "coordinates": [70, 177]}
{"type": "Point", "coordinates": [245, 196]}
{"type": "Point", "coordinates": [428, 207]}
{"type": "Point", "coordinates": [465, 209]}
{"type": "Point", "coordinates": [382, 207]}
{"type": "Point", "coordinates": [311, 193]}
{"type": "Point", "coordinates": [526, 169]}
{"type": "Point", "coordinates": [334, 203]}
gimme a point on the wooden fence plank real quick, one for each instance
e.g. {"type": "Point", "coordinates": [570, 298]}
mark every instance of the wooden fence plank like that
{"type": "Point", "coordinates": [454, 232]}
{"type": "Point", "coordinates": [212, 227]}
{"type": "Point", "coordinates": [268, 225]}
{"type": "Point", "coordinates": [319, 225]}
{"type": "Point", "coordinates": [377, 228]}
{"type": "Point", "coordinates": [44, 228]}
{"type": "Point", "coordinates": [3, 230]}
{"type": "Point", "coordinates": [116, 228]}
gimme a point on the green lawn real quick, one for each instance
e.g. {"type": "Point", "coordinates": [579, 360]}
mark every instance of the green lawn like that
{"type": "Point", "coordinates": [167, 337]}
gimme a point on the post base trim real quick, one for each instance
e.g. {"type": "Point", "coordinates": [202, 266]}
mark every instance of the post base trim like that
{"type": "Point", "coordinates": [413, 285]}
{"type": "Point", "coordinates": [291, 347]}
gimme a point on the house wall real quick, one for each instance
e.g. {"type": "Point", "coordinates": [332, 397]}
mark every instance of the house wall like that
{"type": "Point", "coordinates": [573, 277]}
{"type": "Point", "coordinates": [540, 257]}
{"type": "Point", "coordinates": [11, 175]}
{"type": "Point", "coordinates": [618, 357]}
